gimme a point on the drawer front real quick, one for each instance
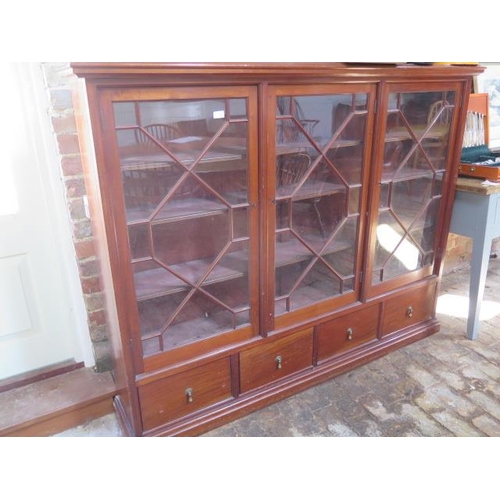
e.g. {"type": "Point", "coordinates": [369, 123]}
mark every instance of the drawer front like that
{"type": "Point", "coordinates": [274, 360]}
{"type": "Point", "coordinates": [347, 332]}
{"type": "Point", "coordinates": [408, 309]}
{"type": "Point", "coordinates": [184, 393]}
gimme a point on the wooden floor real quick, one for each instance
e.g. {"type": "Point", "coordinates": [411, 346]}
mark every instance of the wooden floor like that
{"type": "Point", "coordinates": [55, 404]}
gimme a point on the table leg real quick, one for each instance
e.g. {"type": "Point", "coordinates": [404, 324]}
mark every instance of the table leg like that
{"type": "Point", "coordinates": [477, 216]}
{"type": "Point", "coordinates": [481, 250]}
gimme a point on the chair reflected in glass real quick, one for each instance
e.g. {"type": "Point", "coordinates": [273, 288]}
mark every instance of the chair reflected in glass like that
{"type": "Point", "coordinates": [145, 187]}
{"type": "Point", "coordinates": [291, 170]}
{"type": "Point", "coordinates": [159, 131]}
{"type": "Point", "coordinates": [435, 139]}
{"type": "Point", "coordinates": [295, 182]}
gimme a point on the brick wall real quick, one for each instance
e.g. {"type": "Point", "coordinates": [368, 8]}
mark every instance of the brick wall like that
{"type": "Point", "coordinates": [58, 81]}
{"type": "Point", "coordinates": [459, 252]}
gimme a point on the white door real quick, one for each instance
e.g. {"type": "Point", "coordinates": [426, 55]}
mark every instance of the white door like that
{"type": "Point", "coordinates": [38, 316]}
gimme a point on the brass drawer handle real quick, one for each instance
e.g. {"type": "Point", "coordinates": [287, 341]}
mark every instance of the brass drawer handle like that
{"type": "Point", "coordinates": [349, 333]}
{"type": "Point", "coordinates": [409, 312]}
{"type": "Point", "coordinates": [189, 395]}
{"type": "Point", "coordinates": [278, 363]}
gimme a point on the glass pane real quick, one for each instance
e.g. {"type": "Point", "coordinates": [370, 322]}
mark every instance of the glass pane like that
{"type": "Point", "coordinates": [339, 250]}
{"type": "Point", "coordinates": [139, 242]}
{"type": "Point", "coordinates": [207, 237]}
{"type": "Point", "coordinates": [227, 154]}
{"type": "Point", "coordinates": [384, 196]}
{"type": "Point", "coordinates": [148, 174]}
{"type": "Point", "coordinates": [152, 280]}
{"type": "Point", "coordinates": [409, 198]}
{"type": "Point", "coordinates": [414, 162]}
{"type": "Point", "coordinates": [125, 114]}
{"type": "Point", "coordinates": [422, 231]}
{"type": "Point", "coordinates": [185, 182]}
{"type": "Point", "coordinates": [189, 198]}
{"type": "Point", "coordinates": [395, 253]}
{"type": "Point", "coordinates": [197, 318]}
{"type": "Point", "coordinates": [154, 312]}
{"type": "Point", "coordinates": [290, 250]}
{"type": "Point", "coordinates": [238, 108]}
{"type": "Point", "coordinates": [319, 159]}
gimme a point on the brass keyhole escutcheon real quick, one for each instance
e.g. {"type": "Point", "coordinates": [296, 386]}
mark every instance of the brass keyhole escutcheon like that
{"type": "Point", "coordinates": [189, 395]}
{"type": "Point", "coordinates": [278, 363]}
{"type": "Point", "coordinates": [349, 333]}
{"type": "Point", "coordinates": [409, 312]}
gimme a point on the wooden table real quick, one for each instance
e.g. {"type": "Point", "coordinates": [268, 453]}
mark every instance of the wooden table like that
{"type": "Point", "coordinates": [476, 215]}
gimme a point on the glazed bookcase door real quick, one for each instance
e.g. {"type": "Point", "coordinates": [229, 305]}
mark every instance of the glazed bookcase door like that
{"type": "Point", "coordinates": [188, 182]}
{"type": "Point", "coordinates": [413, 165]}
{"type": "Point", "coordinates": [317, 181]}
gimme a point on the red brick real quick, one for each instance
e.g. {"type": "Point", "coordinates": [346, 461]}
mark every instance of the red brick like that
{"type": "Point", "coordinates": [82, 229]}
{"type": "Point", "coordinates": [68, 144]}
{"type": "Point", "coordinates": [98, 333]}
{"type": "Point", "coordinates": [85, 249]}
{"type": "Point", "coordinates": [64, 124]}
{"type": "Point", "coordinates": [61, 99]}
{"type": "Point", "coordinates": [91, 285]}
{"type": "Point", "coordinates": [94, 301]}
{"type": "Point", "coordinates": [75, 188]}
{"type": "Point", "coordinates": [77, 209]}
{"type": "Point", "coordinates": [72, 165]}
{"type": "Point", "coordinates": [97, 318]}
{"type": "Point", "coordinates": [89, 268]}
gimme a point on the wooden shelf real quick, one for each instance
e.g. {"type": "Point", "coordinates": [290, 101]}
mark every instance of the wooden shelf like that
{"type": "Point", "coordinates": [309, 190]}
{"type": "Point", "coordinates": [293, 251]}
{"type": "Point", "coordinates": [302, 146]}
{"type": "Point", "coordinates": [412, 174]}
{"type": "Point", "coordinates": [302, 297]}
{"type": "Point", "coordinates": [159, 282]}
{"type": "Point", "coordinates": [175, 211]}
{"type": "Point", "coordinates": [188, 332]}
{"type": "Point", "coordinates": [164, 160]}
{"type": "Point", "coordinates": [189, 208]}
{"type": "Point", "coordinates": [436, 132]}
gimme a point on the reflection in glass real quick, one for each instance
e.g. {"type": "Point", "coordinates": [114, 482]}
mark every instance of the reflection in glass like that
{"type": "Point", "coordinates": [414, 162]}
{"type": "Point", "coordinates": [139, 241]}
{"type": "Point", "coordinates": [396, 246]}
{"type": "Point", "coordinates": [319, 159]}
{"type": "Point", "coordinates": [185, 183]}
